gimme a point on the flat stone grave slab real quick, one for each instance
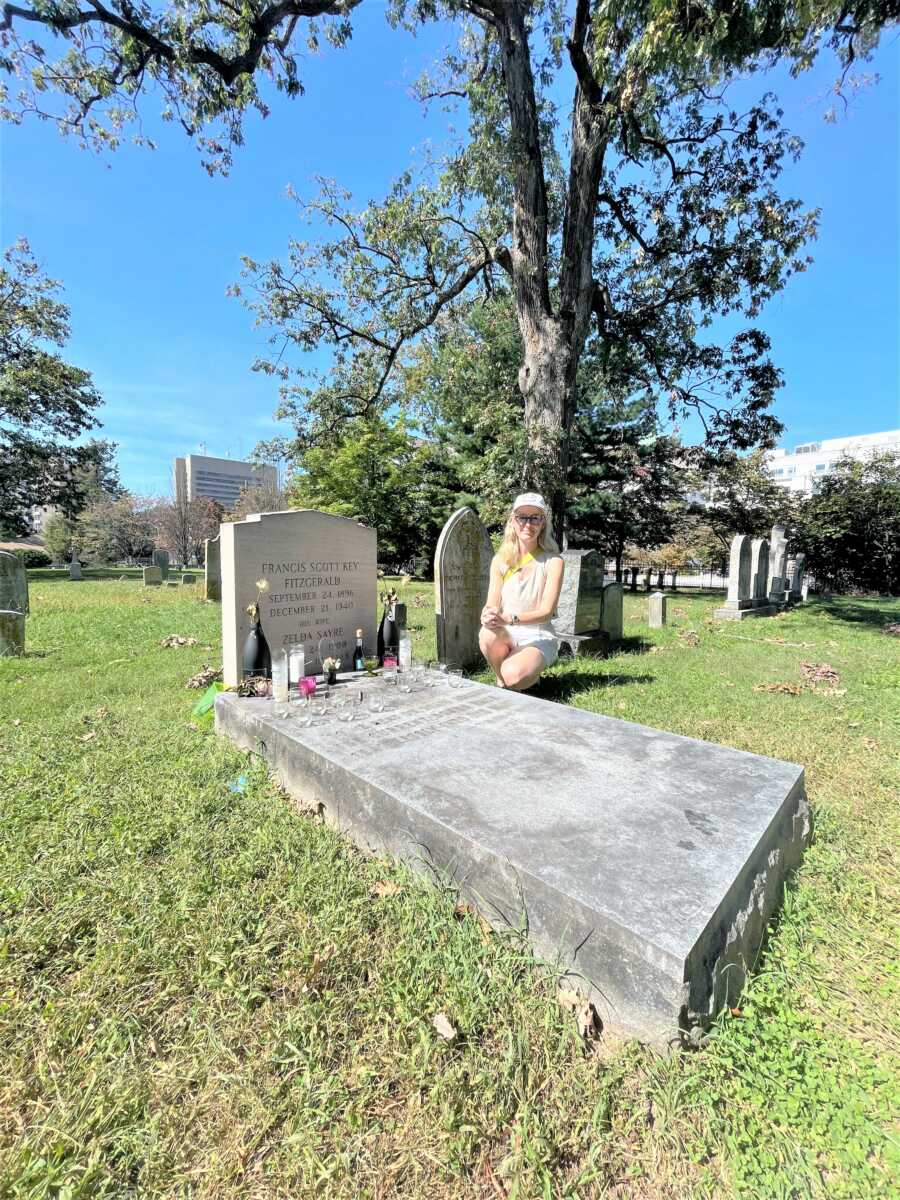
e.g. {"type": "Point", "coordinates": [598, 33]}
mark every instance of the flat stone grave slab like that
{"type": "Point", "coordinates": [645, 864]}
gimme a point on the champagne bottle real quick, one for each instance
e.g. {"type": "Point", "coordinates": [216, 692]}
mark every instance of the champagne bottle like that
{"type": "Point", "coordinates": [359, 657]}
{"type": "Point", "coordinates": [387, 630]}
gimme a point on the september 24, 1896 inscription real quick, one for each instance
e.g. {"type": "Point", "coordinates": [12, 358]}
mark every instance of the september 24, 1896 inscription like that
{"type": "Point", "coordinates": [320, 574]}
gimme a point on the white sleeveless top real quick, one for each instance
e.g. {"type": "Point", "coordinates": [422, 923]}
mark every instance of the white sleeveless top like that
{"type": "Point", "coordinates": [520, 595]}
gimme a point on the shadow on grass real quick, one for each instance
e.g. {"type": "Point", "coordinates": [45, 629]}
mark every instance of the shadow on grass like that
{"type": "Point", "coordinates": [562, 687]}
{"type": "Point", "coordinates": [89, 575]}
{"type": "Point", "coordinates": [876, 612]}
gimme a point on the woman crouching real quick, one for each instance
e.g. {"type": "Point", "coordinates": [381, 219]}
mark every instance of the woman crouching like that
{"type": "Point", "coordinates": [526, 577]}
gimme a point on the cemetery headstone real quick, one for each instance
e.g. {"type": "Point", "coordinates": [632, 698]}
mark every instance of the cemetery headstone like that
{"type": "Point", "coordinates": [161, 560]}
{"type": "Point", "coordinates": [759, 574]}
{"type": "Point", "coordinates": [13, 583]}
{"type": "Point", "coordinates": [611, 612]}
{"type": "Point", "coordinates": [804, 591]}
{"type": "Point", "coordinates": [462, 571]}
{"type": "Point", "coordinates": [579, 622]}
{"type": "Point", "coordinates": [739, 601]}
{"type": "Point", "coordinates": [12, 633]}
{"type": "Point", "coordinates": [777, 564]}
{"type": "Point", "coordinates": [657, 610]}
{"type": "Point", "coordinates": [152, 577]}
{"type": "Point", "coordinates": [75, 569]}
{"type": "Point", "coordinates": [634, 575]}
{"type": "Point", "coordinates": [188, 578]}
{"type": "Point", "coordinates": [212, 577]}
{"type": "Point", "coordinates": [797, 578]}
{"type": "Point", "coordinates": [321, 579]}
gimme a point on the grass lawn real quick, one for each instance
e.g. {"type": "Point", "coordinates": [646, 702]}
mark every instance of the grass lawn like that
{"type": "Point", "coordinates": [204, 993]}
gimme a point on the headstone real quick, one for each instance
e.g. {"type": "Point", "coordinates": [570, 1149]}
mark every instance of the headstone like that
{"type": "Point", "coordinates": [657, 610]}
{"type": "Point", "coordinates": [188, 578]}
{"type": "Point", "coordinates": [212, 577]}
{"type": "Point", "coordinates": [804, 592]}
{"type": "Point", "coordinates": [581, 594]}
{"type": "Point", "coordinates": [321, 577]}
{"type": "Point", "coordinates": [75, 569]}
{"type": "Point", "coordinates": [797, 578]}
{"type": "Point", "coordinates": [634, 575]}
{"type": "Point", "coordinates": [161, 560]}
{"type": "Point", "coordinates": [778, 549]}
{"type": "Point", "coordinates": [759, 575]}
{"type": "Point", "coordinates": [152, 577]}
{"type": "Point", "coordinates": [462, 570]}
{"type": "Point", "coordinates": [739, 602]}
{"type": "Point", "coordinates": [12, 633]}
{"type": "Point", "coordinates": [13, 583]}
{"type": "Point", "coordinates": [650, 868]}
{"type": "Point", "coordinates": [611, 612]}
{"type": "Point", "coordinates": [578, 623]}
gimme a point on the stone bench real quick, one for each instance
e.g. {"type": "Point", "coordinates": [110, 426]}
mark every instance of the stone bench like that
{"type": "Point", "coordinates": [643, 862]}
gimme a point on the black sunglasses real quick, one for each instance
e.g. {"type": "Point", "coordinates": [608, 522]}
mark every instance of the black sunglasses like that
{"type": "Point", "coordinates": [534, 519]}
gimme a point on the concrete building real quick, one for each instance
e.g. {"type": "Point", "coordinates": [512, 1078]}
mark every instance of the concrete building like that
{"type": "Point", "coordinates": [222, 479]}
{"type": "Point", "coordinates": [797, 470]}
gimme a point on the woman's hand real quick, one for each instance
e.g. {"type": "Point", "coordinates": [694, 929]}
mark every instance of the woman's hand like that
{"type": "Point", "coordinates": [490, 618]}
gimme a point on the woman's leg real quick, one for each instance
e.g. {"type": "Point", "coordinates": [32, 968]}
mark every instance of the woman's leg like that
{"type": "Point", "coordinates": [522, 668]}
{"type": "Point", "coordinates": [496, 647]}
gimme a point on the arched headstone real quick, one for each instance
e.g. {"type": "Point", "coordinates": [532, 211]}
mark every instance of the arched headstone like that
{"type": "Point", "coordinates": [161, 560]}
{"type": "Point", "coordinates": [462, 571]}
{"type": "Point", "coordinates": [778, 549]}
{"type": "Point", "coordinates": [13, 583]}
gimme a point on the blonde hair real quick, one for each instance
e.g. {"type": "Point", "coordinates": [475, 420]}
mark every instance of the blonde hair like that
{"type": "Point", "coordinates": [509, 554]}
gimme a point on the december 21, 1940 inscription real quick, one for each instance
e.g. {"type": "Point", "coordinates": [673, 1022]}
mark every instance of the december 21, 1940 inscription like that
{"type": "Point", "coordinates": [321, 582]}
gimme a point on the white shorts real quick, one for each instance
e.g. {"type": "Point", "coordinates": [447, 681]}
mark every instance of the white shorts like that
{"type": "Point", "coordinates": [538, 636]}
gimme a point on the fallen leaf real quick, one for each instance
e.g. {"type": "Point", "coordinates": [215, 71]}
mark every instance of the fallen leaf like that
{"type": "Point", "coordinates": [178, 639]}
{"type": "Point", "coordinates": [792, 689]}
{"type": "Point", "coordinates": [443, 1027]}
{"type": "Point", "coordinates": [832, 692]}
{"type": "Point", "coordinates": [587, 1018]}
{"type": "Point", "coordinates": [86, 737]}
{"type": "Point", "coordinates": [17, 722]}
{"type": "Point", "coordinates": [386, 888]}
{"type": "Point", "coordinates": [736, 1012]}
{"type": "Point", "coordinates": [193, 726]}
{"type": "Point", "coordinates": [462, 909]}
{"type": "Point", "coordinates": [205, 677]}
{"type": "Point", "coordinates": [816, 673]}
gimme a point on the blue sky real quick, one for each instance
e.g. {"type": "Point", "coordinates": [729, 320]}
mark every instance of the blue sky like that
{"type": "Point", "coordinates": [146, 245]}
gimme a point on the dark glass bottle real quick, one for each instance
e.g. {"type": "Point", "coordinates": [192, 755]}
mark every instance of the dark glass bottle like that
{"type": "Point", "coordinates": [255, 657]}
{"type": "Point", "coordinates": [359, 657]}
{"type": "Point", "coordinates": [388, 633]}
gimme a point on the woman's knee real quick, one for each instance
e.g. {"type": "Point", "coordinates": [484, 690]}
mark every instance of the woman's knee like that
{"type": "Point", "coordinates": [489, 639]}
{"type": "Point", "coordinates": [515, 673]}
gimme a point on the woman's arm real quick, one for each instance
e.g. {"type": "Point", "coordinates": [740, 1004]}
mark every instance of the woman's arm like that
{"type": "Point", "coordinates": [549, 597]}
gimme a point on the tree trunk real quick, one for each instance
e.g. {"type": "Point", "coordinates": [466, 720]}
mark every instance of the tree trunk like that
{"type": "Point", "coordinates": [546, 388]}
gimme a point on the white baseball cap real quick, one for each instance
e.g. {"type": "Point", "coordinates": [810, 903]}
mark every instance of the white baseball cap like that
{"type": "Point", "coordinates": [534, 500]}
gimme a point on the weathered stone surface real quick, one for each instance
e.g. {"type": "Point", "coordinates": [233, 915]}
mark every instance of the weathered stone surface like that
{"type": "Point", "coordinates": [75, 570]}
{"type": "Point", "coordinates": [212, 571]}
{"type": "Point", "coordinates": [152, 577]}
{"type": "Point", "coordinates": [462, 570]}
{"type": "Point", "coordinates": [739, 601]}
{"type": "Point", "coordinates": [759, 577]}
{"type": "Point", "coordinates": [12, 633]}
{"type": "Point", "coordinates": [161, 560]}
{"type": "Point", "coordinates": [581, 594]}
{"type": "Point", "coordinates": [13, 583]}
{"type": "Point", "coordinates": [188, 579]}
{"type": "Point", "coordinates": [322, 578]}
{"type": "Point", "coordinates": [657, 610]}
{"type": "Point", "coordinates": [646, 862]}
{"type": "Point", "coordinates": [797, 578]}
{"type": "Point", "coordinates": [611, 617]}
{"type": "Point", "coordinates": [778, 549]}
